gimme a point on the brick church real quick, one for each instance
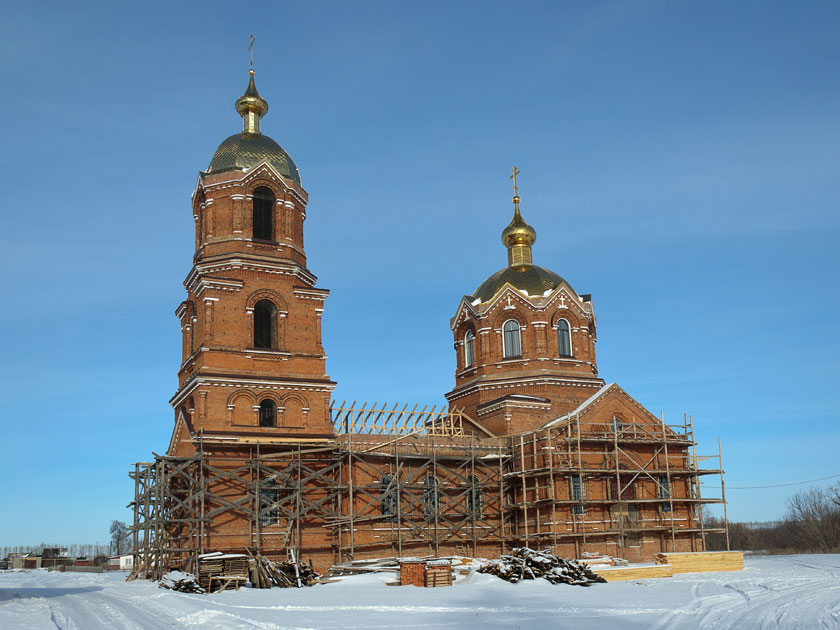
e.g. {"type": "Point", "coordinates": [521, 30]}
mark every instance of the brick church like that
{"type": "Point", "coordinates": [534, 447]}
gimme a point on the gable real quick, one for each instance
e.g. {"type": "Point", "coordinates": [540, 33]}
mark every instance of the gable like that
{"type": "Point", "coordinates": [180, 444]}
{"type": "Point", "coordinates": [609, 402]}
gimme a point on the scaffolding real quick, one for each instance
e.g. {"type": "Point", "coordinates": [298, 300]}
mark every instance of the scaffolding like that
{"type": "Point", "coordinates": [395, 481]}
{"type": "Point", "coordinates": [615, 481]}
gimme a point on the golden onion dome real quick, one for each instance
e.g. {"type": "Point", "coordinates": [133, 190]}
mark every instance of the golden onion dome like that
{"type": "Point", "coordinates": [521, 273]}
{"type": "Point", "coordinates": [245, 150]}
{"type": "Point", "coordinates": [518, 232]}
{"type": "Point", "coordinates": [251, 101]}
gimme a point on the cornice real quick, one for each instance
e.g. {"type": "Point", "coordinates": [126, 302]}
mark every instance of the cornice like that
{"type": "Point", "coordinates": [521, 381]}
{"type": "Point", "coordinates": [255, 382]}
{"type": "Point", "coordinates": [233, 262]}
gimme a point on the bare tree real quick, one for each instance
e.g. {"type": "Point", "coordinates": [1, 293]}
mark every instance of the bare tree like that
{"type": "Point", "coordinates": [119, 537]}
{"type": "Point", "coordinates": [816, 512]}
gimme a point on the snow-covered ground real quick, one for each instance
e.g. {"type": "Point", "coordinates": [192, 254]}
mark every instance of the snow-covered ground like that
{"type": "Point", "coordinates": [771, 592]}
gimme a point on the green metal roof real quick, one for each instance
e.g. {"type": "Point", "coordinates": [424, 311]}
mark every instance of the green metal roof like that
{"type": "Point", "coordinates": [245, 150]}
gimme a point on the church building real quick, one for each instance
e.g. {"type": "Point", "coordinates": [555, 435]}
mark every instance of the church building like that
{"type": "Point", "coordinates": [533, 448]}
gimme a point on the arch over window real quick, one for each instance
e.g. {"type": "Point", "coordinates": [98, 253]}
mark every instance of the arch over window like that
{"type": "Point", "coordinates": [263, 219]}
{"type": "Point", "coordinates": [512, 340]}
{"type": "Point", "coordinates": [469, 348]}
{"type": "Point", "coordinates": [564, 338]}
{"type": "Point", "coordinates": [268, 413]}
{"type": "Point", "coordinates": [265, 324]}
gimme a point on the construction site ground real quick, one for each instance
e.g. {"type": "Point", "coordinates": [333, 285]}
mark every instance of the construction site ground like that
{"type": "Point", "coordinates": [797, 591]}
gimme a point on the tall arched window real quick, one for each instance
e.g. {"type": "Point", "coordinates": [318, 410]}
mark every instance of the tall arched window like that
{"type": "Point", "coordinates": [265, 324]}
{"type": "Point", "coordinates": [564, 338]}
{"type": "Point", "coordinates": [469, 344]}
{"type": "Point", "coordinates": [431, 496]}
{"type": "Point", "coordinates": [388, 498]}
{"type": "Point", "coordinates": [263, 214]}
{"type": "Point", "coordinates": [268, 413]}
{"type": "Point", "coordinates": [512, 341]}
{"type": "Point", "coordinates": [474, 498]}
{"type": "Point", "coordinates": [269, 496]}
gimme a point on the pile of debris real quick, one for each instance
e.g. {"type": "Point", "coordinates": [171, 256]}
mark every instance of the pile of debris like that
{"type": "Point", "coordinates": [527, 564]}
{"type": "Point", "coordinates": [293, 574]}
{"type": "Point", "coordinates": [181, 582]}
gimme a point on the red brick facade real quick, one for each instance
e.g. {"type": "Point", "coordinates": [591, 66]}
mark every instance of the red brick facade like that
{"type": "Point", "coordinates": [537, 451]}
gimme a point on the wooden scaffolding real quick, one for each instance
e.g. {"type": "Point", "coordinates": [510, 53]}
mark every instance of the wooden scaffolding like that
{"type": "Point", "coordinates": [395, 481]}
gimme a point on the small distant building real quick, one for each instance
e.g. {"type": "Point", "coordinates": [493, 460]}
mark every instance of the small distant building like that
{"type": "Point", "coordinates": [55, 557]}
{"type": "Point", "coordinates": [124, 562]}
{"type": "Point", "coordinates": [25, 561]}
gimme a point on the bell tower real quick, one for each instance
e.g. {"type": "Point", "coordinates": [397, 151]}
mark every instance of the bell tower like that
{"type": "Point", "coordinates": [253, 365]}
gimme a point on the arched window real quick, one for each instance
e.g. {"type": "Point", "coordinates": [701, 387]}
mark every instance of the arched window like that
{"type": "Point", "coordinates": [512, 341]}
{"type": "Point", "coordinates": [564, 338]}
{"type": "Point", "coordinates": [265, 324]}
{"type": "Point", "coordinates": [578, 493]}
{"type": "Point", "coordinates": [474, 498]}
{"type": "Point", "coordinates": [263, 214]}
{"type": "Point", "coordinates": [431, 497]}
{"type": "Point", "coordinates": [469, 342]}
{"type": "Point", "coordinates": [269, 496]}
{"type": "Point", "coordinates": [388, 498]}
{"type": "Point", "coordinates": [268, 413]}
{"type": "Point", "coordinates": [664, 483]}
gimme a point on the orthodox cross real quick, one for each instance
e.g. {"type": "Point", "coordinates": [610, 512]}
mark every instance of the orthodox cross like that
{"type": "Point", "coordinates": [251, 51]}
{"type": "Point", "coordinates": [513, 177]}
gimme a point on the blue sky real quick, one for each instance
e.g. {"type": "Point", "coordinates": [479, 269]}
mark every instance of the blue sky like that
{"type": "Point", "coordinates": [679, 162]}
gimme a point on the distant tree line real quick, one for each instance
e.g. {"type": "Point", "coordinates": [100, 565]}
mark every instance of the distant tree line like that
{"type": "Point", "coordinates": [74, 550]}
{"type": "Point", "coordinates": [810, 525]}
{"type": "Point", "coordinates": [120, 543]}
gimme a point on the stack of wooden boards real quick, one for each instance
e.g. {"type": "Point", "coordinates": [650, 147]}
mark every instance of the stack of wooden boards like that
{"type": "Point", "coordinates": [635, 572]}
{"type": "Point", "coordinates": [669, 564]}
{"type": "Point", "coordinates": [222, 571]}
{"type": "Point", "coordinates": [702, 561]}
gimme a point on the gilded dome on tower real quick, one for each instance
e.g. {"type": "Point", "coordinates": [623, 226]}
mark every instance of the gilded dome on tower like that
{"type": "Point", "coordinates": [245, 150]}
{"type": "Point", "coordinates": [533, 280]}
{"type": "Point", "coordinates": [521, 273]}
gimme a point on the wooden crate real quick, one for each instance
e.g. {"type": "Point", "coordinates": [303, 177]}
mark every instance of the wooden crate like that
{"type": "Point", "coordinates": [635, 572]}
{"type": "Point", "coordinates": [438, 576]}
{"type": "Point", "coordinates": [702, 561]}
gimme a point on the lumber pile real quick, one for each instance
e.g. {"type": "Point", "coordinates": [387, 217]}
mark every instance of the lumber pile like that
{"type": "Point", "coordinates": [358, 567]}
{"type": "Point", "coordinates": [181, 582]}
{"type": "Point", "coordinates": [635, 572]}
{"type": "Point", "coordinates": [231, 567]}
{"type": "Point", "coordinates": [268, 573]}
{"type": "Point", "coordinates": [702, 561]}
{"type": "Point", "coordinates": [527, 564]}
